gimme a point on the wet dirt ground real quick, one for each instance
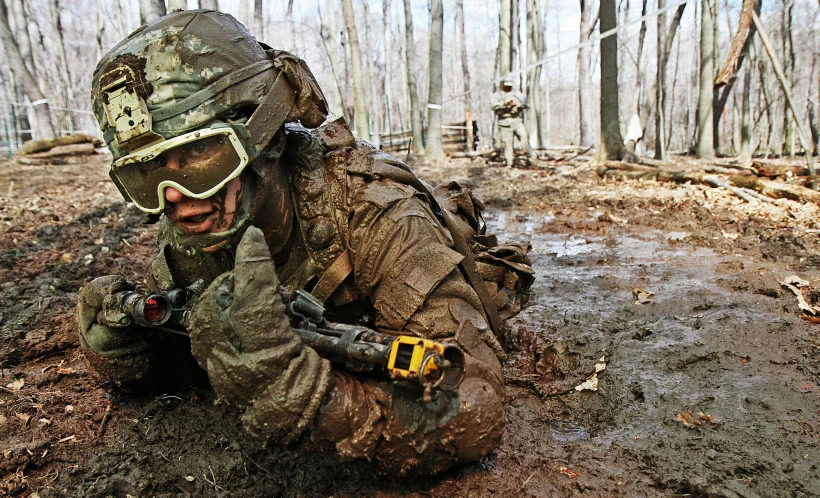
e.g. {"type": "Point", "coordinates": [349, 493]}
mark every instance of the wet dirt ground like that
{"type": "Point", "coordinates": [720, 338]}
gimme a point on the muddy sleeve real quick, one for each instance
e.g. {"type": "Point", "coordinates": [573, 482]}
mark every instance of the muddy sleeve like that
{"type": "Point", "coordinates": [403, 262]}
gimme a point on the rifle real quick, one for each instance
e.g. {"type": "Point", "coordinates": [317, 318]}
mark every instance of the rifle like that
{"type": "Point", "coordinates": [432, 364]}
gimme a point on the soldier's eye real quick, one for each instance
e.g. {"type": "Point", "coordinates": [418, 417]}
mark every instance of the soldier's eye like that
{"type": "Point", "coordinates": [152, 164]}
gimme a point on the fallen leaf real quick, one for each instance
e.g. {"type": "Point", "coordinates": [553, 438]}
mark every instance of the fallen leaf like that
{"type": "Point", "coordinates": [642, 296]}
{"type": "Point", "coordinates": [571, 474]}
{"type": "Point", "coordinates": [69, 408]}
{"type": "Point", "coordinates": [796, 285]}
{"type": "Point", "coordinates": [190, 478]}
{"type": "Point", "coordinates": [730, 236]}
{"type": "Point", "coordinates": [2, 419]}
{"type": "Point", "coordinates": [24, 417]}
{"type": "Point", "coordinates": [601, 365]}
{"type": "Point", "coordinates": [16, 385]}
{"type": "Point", "coordinates": [591, 384]}
{"type": "Point", "coordinates": [687, 419]}
{"type": "Point", "coordinates": [43, 422]}
{"type": "Point", "coordinates": [66, 258]}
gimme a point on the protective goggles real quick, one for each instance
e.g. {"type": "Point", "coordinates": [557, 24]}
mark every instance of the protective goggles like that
{"type": "Point", "coordinates": [198, 164]}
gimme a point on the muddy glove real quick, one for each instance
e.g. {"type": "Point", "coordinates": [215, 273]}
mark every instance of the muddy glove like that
{"type": "Point", "coordinates": [242, 337]}
{"type": "Point", "coordinates": [120, 354]}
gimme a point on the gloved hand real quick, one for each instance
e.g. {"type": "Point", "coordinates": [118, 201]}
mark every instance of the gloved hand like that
{"type": "Point", "coordinates": [121, 355]}
{"type": "Point", "coordinates": [242, 337]}
{"type": "Point", "coordinates": [106, 339]}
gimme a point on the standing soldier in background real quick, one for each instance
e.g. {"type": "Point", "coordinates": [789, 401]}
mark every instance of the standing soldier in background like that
{"type": "Point", "coordinates": [509, 107]}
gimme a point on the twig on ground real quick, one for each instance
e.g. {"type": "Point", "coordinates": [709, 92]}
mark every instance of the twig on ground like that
{"type": "Point", "coordinates": [106, 416]}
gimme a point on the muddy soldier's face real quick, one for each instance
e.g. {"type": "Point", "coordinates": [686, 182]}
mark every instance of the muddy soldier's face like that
{"type": "Point", "coordinates": [199, 216]}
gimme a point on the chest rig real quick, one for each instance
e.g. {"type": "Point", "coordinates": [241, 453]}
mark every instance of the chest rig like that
{"type": "Point", "coordinates": [318, 163]}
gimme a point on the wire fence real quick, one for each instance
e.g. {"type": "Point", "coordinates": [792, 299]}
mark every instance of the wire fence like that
{"type": "Point", "coordinates": [16, 121]}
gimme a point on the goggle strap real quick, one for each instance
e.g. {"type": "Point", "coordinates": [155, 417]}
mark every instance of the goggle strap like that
{"type": "Point", "coordinates": [272, 112]}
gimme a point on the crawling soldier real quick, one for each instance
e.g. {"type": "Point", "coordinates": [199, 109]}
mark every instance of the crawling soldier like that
{"type": "Point", "coordinates": [194, 111]}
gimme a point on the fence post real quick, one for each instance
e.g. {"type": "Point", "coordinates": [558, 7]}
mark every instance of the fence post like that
{"type": "Point", "coordinates": [8, 139]}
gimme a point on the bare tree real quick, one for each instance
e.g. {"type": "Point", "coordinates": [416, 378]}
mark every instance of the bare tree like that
{"type": "Point", "coordinates": [259, 19]}
{"type": "Point", "coordinates": [386, 60]}
{"type": "Point", "coordinates": [359, 99]}
{"type": "Point", "coordinates": [435, 149]}
{"type": "Point", "coordinates": [746, 112]}
{"type": "Point", "coordinates": [151, 10]}
{"type": "Point", "coordinates": [330, 43]}
{"type": "Point", "coordinates": [535, 48]}
{"type": "Point", "coordinates": [788, 71]}
{"type": "Point", "coordinates": [612, 144]}
{"type": "Point", "coordinates": [370, 78]}
{"type": "Point", "coordinates": [44, 127]}
{"type": "Point", "coordinates": [666, 36]}
{"type": "Point", "coordinates": [412, 88]}
{"type": "Point", "coordinates": [584, 79]}
{"type": "Point", "coordinates": [505, 38]}
{"type": "Point", "coordinates": [705, 142]}
{"type": "Point", "coordinates": [465, 69]}
{"type": "Point", "coordinates": [67, 87]}
{"type": "Point", "coordinates": [209, 4]}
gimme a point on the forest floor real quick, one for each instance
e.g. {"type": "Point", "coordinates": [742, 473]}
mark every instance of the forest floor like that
{"type": "Point", "coordinates": [711, 388]}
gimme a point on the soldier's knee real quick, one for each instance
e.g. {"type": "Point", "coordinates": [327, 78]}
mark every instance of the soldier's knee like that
{"type": "Point", "coordinates": [481, 420]}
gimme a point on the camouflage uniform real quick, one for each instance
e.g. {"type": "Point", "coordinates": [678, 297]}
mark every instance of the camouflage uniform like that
{"type": "Point", "coordinates": [371, 247]}
{"type": "Point", "coordinates": [508, 108]}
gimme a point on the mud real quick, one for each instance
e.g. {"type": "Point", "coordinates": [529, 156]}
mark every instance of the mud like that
{"type": "Point", "coordinates": [720, 338]}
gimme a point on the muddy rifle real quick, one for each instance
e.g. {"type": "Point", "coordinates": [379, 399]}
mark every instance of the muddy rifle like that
{"type": "Point", "coordinates": [432, 364]}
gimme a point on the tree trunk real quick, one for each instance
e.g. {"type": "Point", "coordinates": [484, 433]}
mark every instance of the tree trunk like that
{"type": "Point", "coordinates": [640, 64]}
{"type": "Point", "coordinates": [505, 38]}
{"type": "Point", "coordinates": [288, 31]}
{"type": "Point", "coordinates": [388, 72]}
{"type": "Point", "coordinates": [151, 10]}
{"type": "Point", "coordinates": [415, 111]}
{"type": "Point", "coordinates": [259, 19]}
{"type": "Point", "coordinates": [14, 59]}
{"type": "Point", "coordinates": [373, 120]}
{"type": "Point", "coordinates": [359, 99]}
{"type": "Point", "coordinates": [612, 143]}
{"type": "Point", "coordinates": [100, 28]}
{"type": "Point", "coordinates": [584, 80]}
{"type": "Point", "coordinates": [705, 143]}
{"type": "Point", "coordinates": [788, 71]}
{"type": "Point", "coordinates": [465, 69]}
{"type": "Point", "coordinates": [746, 118]}
{"type": "Point", "coordinates": [209, 4]}
{"type": "Point", "coordinates": [534, 35]}
{"type": "Point", "coordinates": [435, 149]}
{"type": "Point", "coordinates": [331, 44]}
{"type": "Point", "coordinates": [515, 34]}
{"type": "Point", "coordinates": [660, 86]}
{"type": "Point", "coordinates": [67, 86]}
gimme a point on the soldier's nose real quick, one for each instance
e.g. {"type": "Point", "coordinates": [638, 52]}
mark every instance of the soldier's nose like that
{"type": "Point", "coordinates": [173, 195]}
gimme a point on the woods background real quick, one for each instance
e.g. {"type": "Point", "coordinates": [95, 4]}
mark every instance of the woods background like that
{"type": "Point", "coordinates": [388, 65]}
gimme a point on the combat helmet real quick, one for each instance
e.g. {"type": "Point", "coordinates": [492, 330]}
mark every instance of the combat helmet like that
{"type": "Point", "coordinates": [195, 79]}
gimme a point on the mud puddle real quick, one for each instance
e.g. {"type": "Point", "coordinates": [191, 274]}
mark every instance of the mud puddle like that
{"type": "Point", "coordinates": [699, 347]}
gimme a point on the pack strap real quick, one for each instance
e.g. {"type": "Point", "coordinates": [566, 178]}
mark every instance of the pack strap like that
{"type": "Point", "coordinates": [333, 277]}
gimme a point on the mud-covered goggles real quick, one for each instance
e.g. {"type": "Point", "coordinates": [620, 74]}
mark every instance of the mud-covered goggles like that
{"type": "Point", "coordinates": [198, 164]}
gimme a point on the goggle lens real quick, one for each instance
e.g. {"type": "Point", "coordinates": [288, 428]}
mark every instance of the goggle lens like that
{"type": "Point", "coordinates": [197, 167]}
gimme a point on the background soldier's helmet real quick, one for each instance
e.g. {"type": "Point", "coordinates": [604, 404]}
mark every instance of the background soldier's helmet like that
{"type": "Point", "coordinates": [190, 69]}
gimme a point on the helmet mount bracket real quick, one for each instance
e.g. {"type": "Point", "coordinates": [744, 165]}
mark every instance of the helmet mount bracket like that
{"type": "Point", "coordinates": [127, 111]}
